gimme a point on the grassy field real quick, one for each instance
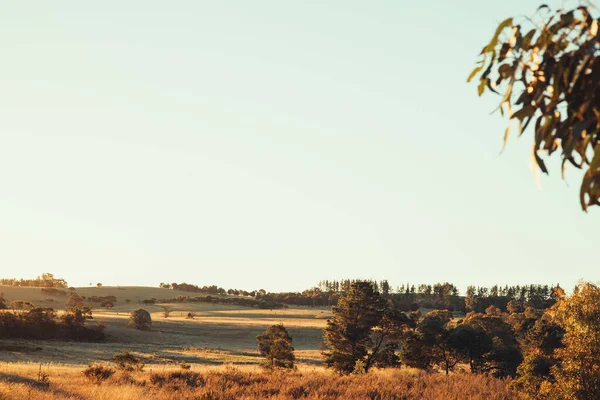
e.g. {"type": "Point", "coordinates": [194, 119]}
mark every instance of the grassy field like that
{"type": "Point", "coordinates": [219, 334]}
{"type": "Point", "coordinates": [21, 381]}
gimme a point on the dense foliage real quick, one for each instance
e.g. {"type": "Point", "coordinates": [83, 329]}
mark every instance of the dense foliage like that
{"type": "Point", "coordinates": [44, 323]}
{"type": "Point", "coordinates": [140, 319]}
{"type": "Point", "coordinates": [365, 331]}
{"type": "Point", "coordinates": [563, 360]}
{"type": "Point", "coordinates": [275, 345]}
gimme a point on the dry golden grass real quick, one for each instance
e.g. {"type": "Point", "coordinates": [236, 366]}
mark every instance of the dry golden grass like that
{"type": "Point", "coordinates": [20, 381]}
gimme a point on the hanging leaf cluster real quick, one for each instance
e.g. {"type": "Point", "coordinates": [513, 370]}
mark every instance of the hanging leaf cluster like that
{"type": "Point", "coordinates": [548, 76]}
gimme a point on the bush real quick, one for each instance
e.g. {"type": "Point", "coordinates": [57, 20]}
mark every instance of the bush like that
{"type": "Point", "coordinates": [42, 323]}
{"type": "Point", "coordinates": [167, 311]}
{"type": "Point", "coordinates": [177, 379]}
{"type": "Point", "coordinates": [97, 373]}
{"type": "Point", "coordinates": [140, 319]}
{"type": "Point", "coordinates": [275, 344]}
{"type": "Point", "coordinates": [54, 292]}
{"type": "Point", "coordinates": [21, 305]}
{"type": "Point", "coordinates": [128, 362]}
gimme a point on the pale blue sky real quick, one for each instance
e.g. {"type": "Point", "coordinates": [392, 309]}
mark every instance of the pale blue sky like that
{"type": "Point", "coordinates": [269, 144]}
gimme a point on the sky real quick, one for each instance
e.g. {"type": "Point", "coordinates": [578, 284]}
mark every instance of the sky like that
{"type": "Point", "coordinates": [270, 144]}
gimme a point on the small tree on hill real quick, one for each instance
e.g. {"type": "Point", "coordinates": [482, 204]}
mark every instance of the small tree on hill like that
{"type": "Point", "coordinates": [140, 319]}
{"type": "Point", "coordinates": [275, 344]}
{"type": "Point", "coordinates": [75, 302]}
{"type": "Point", "coordinates": [108, 304]}
{"type": "Point", "coordinates": [167, 311]}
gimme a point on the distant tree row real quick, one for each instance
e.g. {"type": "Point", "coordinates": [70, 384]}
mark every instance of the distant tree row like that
{"type": "Point", "coordinates": [46, 280]}
{"type": "Point", "coordinates": [240, 301]}
{"type": "Point", "coordinates": [344, 285]}
{"type": "Point", "coordinates": [536, 296]}
{"type": "Point", "coordinates": [186, 287]}
{"type": "Point", "coordinates": [406, 297]}
{"type": "Point", "coordinates": [51, 291]}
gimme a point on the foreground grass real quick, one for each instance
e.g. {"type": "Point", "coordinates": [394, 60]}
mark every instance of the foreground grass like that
{"type": "Point", "coordinates": [21, 381]}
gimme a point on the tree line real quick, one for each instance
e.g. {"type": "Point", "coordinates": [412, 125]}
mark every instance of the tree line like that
{"type": "Point", "coordinates": [406, 297]}
{"type": "Point", "coordinates": [46, 280]}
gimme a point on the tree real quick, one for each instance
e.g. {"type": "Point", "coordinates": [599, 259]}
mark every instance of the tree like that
{"type": "Point", "coordinates": [140, 319]}
{"type": "Point", "coordinates": [472, 344]}
{"type": "Point", "coordinates": [2, 302]}
{"type": "Point", "coordinates": [99, 285]}
{"type": "Point", "coordinates": [534, 375]}
{"type": "Point", "coordinates": [364, 330]}
{"type": "Point", "coordinates": [433, 339]}
{"type": "Point", "coordinates": [76, 317]}
{"type": "Point", "coordinates": [500, 350]}
{"type": "Point", "coordinates": [167, 311]}
{"type": "Point", "coordinates": [549, 74]}
{"type": "Point", "coordinates": [75, 302]}
{"type": "Point", "coordinates": [126, 361]}
{"type": "Point", "coordinates": [108, 304]}
{"type": "Point", "coordinates": [578, 371]}
{"type": "Point", "coordinates": [275, 344]}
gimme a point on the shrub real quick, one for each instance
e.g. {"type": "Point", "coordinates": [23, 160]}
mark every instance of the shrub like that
{"type": "Point", "coordinates": [75, 302]}
{"type": "Point", "coordinates": [185, 366]}
{"type": "Point", "coordinates": [54, 291]}
{"type": "Point", "coordinates": [177, 379]}
{"type": "Point", "coordinates": [140, 319]}
{"type": "Point", "coordinates": [42, 323]}
{"type": "Point", "coordinates": [107, 304]}
{"type": "Point", "coordinates": [97, 373]}
{"type": "Point", "coordinates": [275, 344]}
{"type": "Point", "coordinates": [167, 311]}
{"type": "Point", "coordinates": [128, 362]}
{"type": "Point", "coordinates": [21, 305]}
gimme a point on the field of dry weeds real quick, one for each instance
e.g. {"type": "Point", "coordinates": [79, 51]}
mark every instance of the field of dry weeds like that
{"type": "Point", "coordinates": [21, 381]}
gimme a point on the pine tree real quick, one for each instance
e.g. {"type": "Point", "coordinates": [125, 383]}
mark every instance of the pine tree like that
{"type": "Point", "coordinates": [364, 330]}
{"type": "Point", "coordinates": [275, 344]}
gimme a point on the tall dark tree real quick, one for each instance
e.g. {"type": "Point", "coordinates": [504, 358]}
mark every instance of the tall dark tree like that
{"type": "Point", "coordinates": [433, 341]}
{"type": "Point", "coordinates": [364, 330]}
{"type": "Point", "coordinates": [504, 355]}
